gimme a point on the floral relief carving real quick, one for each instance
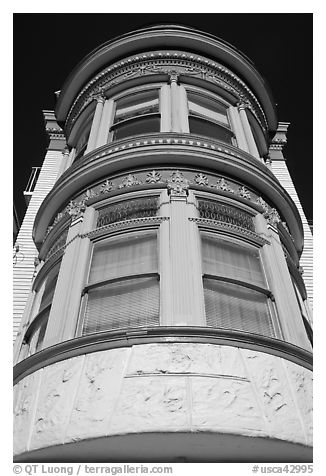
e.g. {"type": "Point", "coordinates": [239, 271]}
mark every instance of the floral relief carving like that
{"type": "Point", "coordinates": [244, 192]}
{"type": "Point", "coordinates": [75, 209]}
{"type": "Point", "coordinates": [201, 179]}
{"type": "Point", "coordinates": [222, 184]}
{"type": "Point", "coordinates": [177, 184]}
{"type": "Point", "coordinates": [273, 218]}
{"type": "Point", "coordinates": [106, 186]}
{"type": "Point", "coordinates": [153, 177]}
{"type": "Point", "coordinates": [129, 181]}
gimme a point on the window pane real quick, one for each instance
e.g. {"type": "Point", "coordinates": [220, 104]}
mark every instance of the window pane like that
{"type": "Point", "coordinates": [113, 259]}
{"type": "Point", "coordinates": [49, 290]}
{"type": "Point", "coordinates": [222, 258]}
{"type": "Point", "coordinates": [231, 306]}
{"type": "Point", "coordinates": [131, 303]}
{"type": "Point", "coordinates": [138, 103]}
{"type": "Point", "coordinates": [207, 107]}
{"type": "Point", "coordinates": [135, 127]}
{"type": "Point", "coordinates": [209, 129]}
{"type": "Point", "coordinates": [35, 340]}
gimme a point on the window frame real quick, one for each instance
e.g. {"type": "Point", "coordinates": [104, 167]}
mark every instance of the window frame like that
{"type": "Point", "coordinates": [37, 315]}
{"type": "Point", "coordinates": [215, 98]}
{"type": "Point", "coordinates": [271, 305]}
{"type": "Point", "coordinates": [116, 237]}
{"type": "Point", "coordinates": [129, 92]}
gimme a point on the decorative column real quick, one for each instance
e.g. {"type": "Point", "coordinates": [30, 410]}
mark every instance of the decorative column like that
{"type": "Point", "coordinates": [67, 297]}
{"type": "Point", "coordinates": [106, 122]}
{"type": "Point", "coordinates": [280, 283]}
{"type": "Point", "coordinates": [186, 299]}
{"type": "Point", "coordinates": [166, 289]}
{"type": "Point", "coordinates": [247, 130]}
{"type": "Point", "coordinates": [175, 101]}
{"type": "Point", "coordinates": [100, 98]}
{"type": "Point", "coordinates": [165, 105]}
{"type": "Point", "coordinates": [237, 128]}
{"type": "Point", "coordinates": [183, 109]}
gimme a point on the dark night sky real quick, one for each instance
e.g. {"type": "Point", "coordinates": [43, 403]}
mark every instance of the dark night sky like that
{"type": "Point", "coordinates": [48, 46]}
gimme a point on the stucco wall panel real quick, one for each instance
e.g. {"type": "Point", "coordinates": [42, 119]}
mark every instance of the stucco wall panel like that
{"type": "Point", "coordinates": [178, 387]}
{"type": "Point", "coordinates": [58, 387]}
{"type": "Point", "coordinates": [225, 404]}
{"type": "Point", "coordinates": [25, 399]}
{"type": "Point", "coordinates": [301, 383]}
{"type": "Point", "coordinates": [186, 358]}
{"type": "Point", "coordinates": [269, 377]}
{"type": "Point", "coordinates": [97, 394]}
{"type": "Point", "coordinates": [151, 404]}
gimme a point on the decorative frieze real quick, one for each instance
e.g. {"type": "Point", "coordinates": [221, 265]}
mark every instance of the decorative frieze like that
{"type": "Point", "coordinates": [177, 183]}
{"type": "Point", "coordinates": [224, 213]}
{"type": "Point", "coordinates": [129, 209]}
{"type": "Point", "coordinates": [174, 64]}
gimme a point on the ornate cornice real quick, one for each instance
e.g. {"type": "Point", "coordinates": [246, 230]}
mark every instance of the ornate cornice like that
{"type": "Point", "coordinates": [230, 228]}
{"type": "Point", "coordinates": [173, 64]}
{"type": "Point", "coordinates": [55, 133]}
{"type": "Point", "coordinates": [125, 225]}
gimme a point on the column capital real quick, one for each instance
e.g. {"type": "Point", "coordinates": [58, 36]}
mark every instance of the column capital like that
{"type": "Point", "coordinates": [241, 105]}
{"type": "Point", "coordinates": [177, 185]}
{"type": "Point", "coordinates": [99, 97]}
{"type": "Point", "coordinates": [173, 76]}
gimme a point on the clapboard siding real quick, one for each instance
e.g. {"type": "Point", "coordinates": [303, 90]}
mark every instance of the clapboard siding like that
{"type": "Point", "coordinates": [24, 268]}
{"type": "Point", "coordinates": [281, 172]}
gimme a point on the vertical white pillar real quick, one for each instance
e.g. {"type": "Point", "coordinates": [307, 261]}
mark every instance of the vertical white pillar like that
{"type": "Point", "coordinates": [237, 128]}
{"type": "Point", "coordinates": [106, 122]}
{"type": "Point", "coordinates": [182, 283]}
{"type": "Point", "coordinates": [280, 283]}
{"type": "Point", "coordinates": [175, 103]}
{"type": "Point", "coordinates": [166, 289]}
{"type": "Point", "coordinates": [183, 109]}
{"type": "Point", "coordinates": [96, 123]}
{"type": "Point", "coordinates": [165, 108]}
{"type": "Point", "coordinates": [248, 132]}
{"type": "Point", "coordinates": [67, 297]}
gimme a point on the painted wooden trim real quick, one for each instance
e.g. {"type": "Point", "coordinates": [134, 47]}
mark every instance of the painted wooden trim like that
{"type": "Point", "coordinates": [145, 335]}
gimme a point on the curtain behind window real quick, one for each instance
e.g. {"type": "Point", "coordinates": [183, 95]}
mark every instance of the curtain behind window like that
{"type": "Point", "coordinates": [126, 302]}
{"type": "Point", "coordinates": [231, 305]}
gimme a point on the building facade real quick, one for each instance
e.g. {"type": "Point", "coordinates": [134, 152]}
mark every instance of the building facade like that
{"type": "Point", "coordinates": [163, 308]}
